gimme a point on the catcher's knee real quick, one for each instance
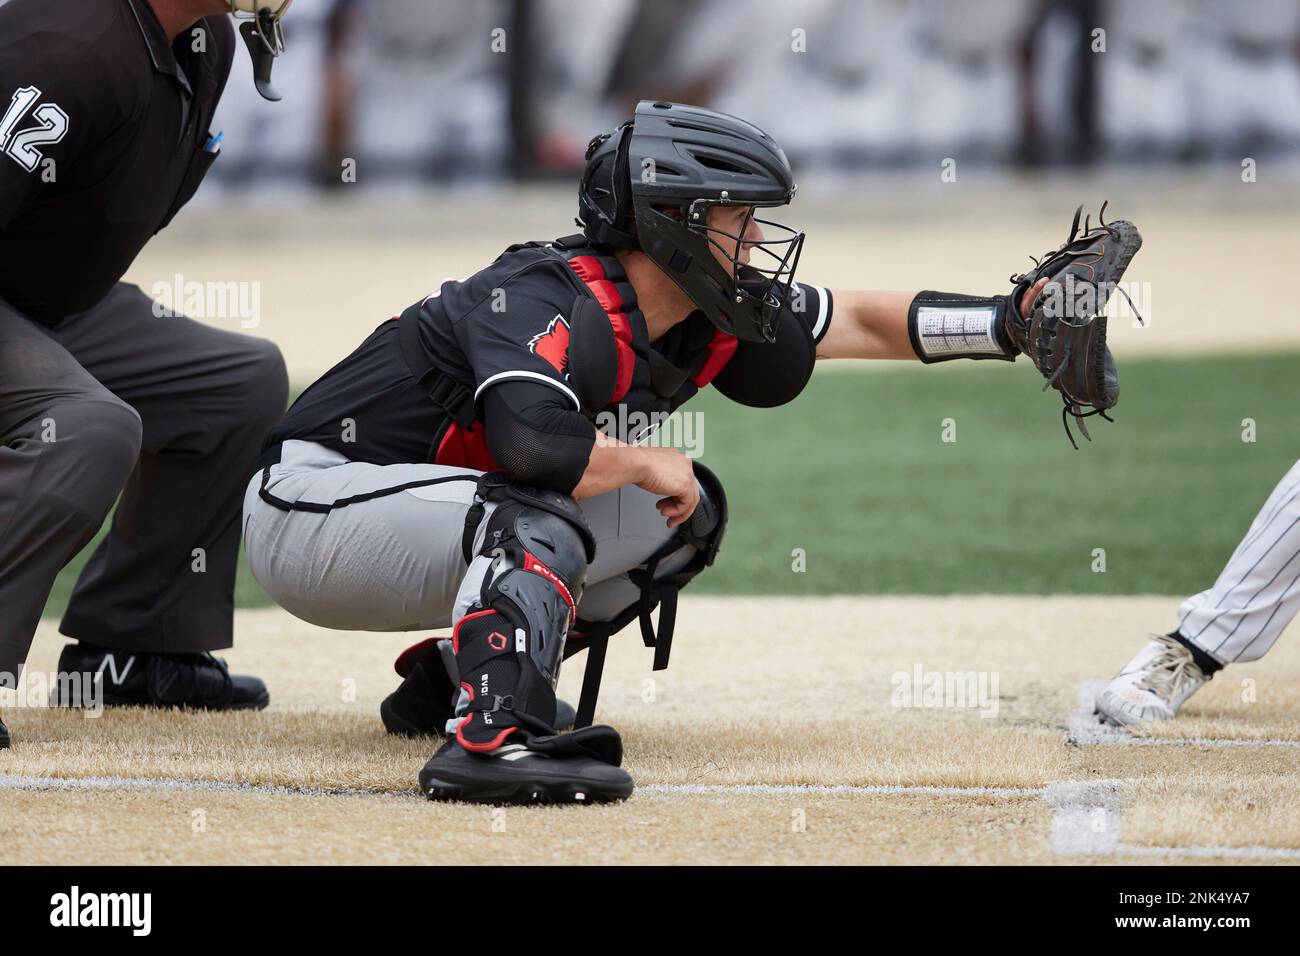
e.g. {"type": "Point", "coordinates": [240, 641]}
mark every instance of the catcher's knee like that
{"type": "Point", "coordinates": [534, 554]}
{"type": "Point", "coordinates": [663, 574]}
{"type": "Point", "coordinates": [701, 536]}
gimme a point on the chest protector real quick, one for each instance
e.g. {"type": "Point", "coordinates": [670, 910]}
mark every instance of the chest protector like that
{"type": "Point", "coordinates": [623, 383]}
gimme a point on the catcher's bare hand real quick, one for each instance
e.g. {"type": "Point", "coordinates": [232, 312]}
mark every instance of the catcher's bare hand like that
{"type": "Point", "coordinates": [1031, 294]}
{"type": "Point", "coordinates": [668, 472]}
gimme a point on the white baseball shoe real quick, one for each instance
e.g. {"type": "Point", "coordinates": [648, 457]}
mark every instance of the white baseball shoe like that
{"type": "Point", "coordinates": [1152, 686]}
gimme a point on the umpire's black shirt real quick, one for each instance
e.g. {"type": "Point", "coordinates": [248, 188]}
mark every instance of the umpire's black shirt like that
{"type": "Point", "coordinates": [103, 128]}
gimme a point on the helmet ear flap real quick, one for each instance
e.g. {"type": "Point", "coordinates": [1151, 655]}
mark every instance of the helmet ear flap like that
{"type": "Point", "coordinates": [623, 179]}
{"type": "Point", "coordinates": [608, 221]}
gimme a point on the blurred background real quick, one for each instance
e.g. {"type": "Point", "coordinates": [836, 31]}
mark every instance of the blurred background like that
{"type": "Point", "coordinates": [448, 90]}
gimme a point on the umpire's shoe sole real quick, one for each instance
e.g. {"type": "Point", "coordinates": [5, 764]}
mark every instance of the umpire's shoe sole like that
{"type": "Point", "coordinates": [514, 774]}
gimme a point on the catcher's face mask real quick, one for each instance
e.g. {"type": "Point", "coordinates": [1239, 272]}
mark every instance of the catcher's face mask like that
{"type": "Point", "coordinates": [264, 36]}
{"type": "Point", "coordinates": [761, 255]}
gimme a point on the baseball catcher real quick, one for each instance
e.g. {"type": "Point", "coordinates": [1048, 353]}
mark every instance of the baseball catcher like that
{"type": "Point", "coordinates": [468, 464]}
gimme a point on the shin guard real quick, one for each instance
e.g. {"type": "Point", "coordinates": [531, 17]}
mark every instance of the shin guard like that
{"type": "Point", "coordinates": [531, 567]}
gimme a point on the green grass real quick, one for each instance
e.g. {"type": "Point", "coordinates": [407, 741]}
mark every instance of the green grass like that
{"type": "Point", "coordinates": [855, 474]}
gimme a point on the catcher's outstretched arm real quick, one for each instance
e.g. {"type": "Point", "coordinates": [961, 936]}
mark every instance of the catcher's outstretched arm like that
{"type": "Point", "coordinates": [873, 324]}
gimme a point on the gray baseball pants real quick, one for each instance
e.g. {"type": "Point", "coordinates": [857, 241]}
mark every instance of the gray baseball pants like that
{"type": "Point", "coordinates": [354, 555]}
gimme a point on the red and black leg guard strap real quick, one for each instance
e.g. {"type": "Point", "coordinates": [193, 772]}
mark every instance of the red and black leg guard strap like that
{"type": "Point", "coordinates": [506, 692]}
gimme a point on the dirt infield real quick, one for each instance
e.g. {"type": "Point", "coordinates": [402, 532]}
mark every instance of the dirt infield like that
{"type": "Point", "coordinates": [786, 731]}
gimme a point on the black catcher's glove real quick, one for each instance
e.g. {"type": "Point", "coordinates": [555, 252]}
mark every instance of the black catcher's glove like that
{"type": "Point", "coordinates": [1065, 333]}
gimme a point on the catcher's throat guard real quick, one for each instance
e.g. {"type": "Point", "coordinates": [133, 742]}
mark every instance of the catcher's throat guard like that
{"type": "Point", "coordinates": [263, 34]}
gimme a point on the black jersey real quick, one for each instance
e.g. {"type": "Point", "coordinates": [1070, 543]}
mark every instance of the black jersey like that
{"type": "Point", "coordinates": [529, 318]}
{"type": "Point", "coordinates": [103, 137]}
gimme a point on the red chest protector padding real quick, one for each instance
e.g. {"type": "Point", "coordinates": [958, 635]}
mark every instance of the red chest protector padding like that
{"type": "Point", "coordinates": [600, 342]}
{"type": "Point", "coordinates": [606, 337]}
{"type": "Point", "coordinates": [603, 349]}
{"type": "Point", "coordinates": [465, 448]}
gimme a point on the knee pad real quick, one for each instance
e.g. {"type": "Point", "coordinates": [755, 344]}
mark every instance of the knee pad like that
{"type": "Point", "coordinates": [532, 566]}
{"type": "Point", "coordinates": [707, 524]}
{"type": "Point", "coordinates": [703, 531]}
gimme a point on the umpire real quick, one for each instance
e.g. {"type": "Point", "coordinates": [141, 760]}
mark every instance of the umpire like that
{"type": "Point", "coordinates": [104, 135]}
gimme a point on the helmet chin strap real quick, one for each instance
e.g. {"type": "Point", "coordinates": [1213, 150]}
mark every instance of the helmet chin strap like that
{"type": "Point", "coordinates": [264, 37]}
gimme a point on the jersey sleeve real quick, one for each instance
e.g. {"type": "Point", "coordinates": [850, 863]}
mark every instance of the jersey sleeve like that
{"type": "Point", "coordinates": [767, 374]}
{"type": "Point", "coordinates": [53, 104]}
{"type": "Point", "coordinates": [514, 328]}
{"type": "Point", "coordinates": [812, 305]}
{"type": "Point", "coordinates": [536, 436]}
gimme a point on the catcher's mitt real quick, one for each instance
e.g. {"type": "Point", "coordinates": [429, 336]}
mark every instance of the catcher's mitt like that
{"type": "Point", "coordinates": [1065, 333]}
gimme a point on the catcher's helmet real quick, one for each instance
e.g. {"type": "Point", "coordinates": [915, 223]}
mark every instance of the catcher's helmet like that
{"type": "Point", "coordinates": [650, 184]}
{"type": "Point", "coordinates": [264, 37]}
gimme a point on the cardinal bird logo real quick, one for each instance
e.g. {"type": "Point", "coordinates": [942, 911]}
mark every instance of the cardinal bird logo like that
{"type": "Point", "coordinates": [553, 344]}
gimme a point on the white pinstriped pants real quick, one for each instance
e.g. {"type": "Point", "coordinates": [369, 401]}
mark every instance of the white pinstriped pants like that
{"type": "Point", "coordinates": [1258, 591]}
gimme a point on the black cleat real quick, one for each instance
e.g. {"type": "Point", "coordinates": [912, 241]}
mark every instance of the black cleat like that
{"type": "Point", "coordinates": [422, 703]}
{"type": "Point", "coordinates": [408, 713]}
{"type": "Point", "coordinates": [5, 740]}
{"type": "Point", "coordinates": [515, 774]}
{"type": "Point", "coordinates": [132, 679]}
{"type": "Point", "coordinates": [425, 700]}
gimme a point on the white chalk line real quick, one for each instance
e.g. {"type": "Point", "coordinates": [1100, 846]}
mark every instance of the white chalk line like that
{"type": "Point", "coordinates": [9, 781]}
{"type": "Point", "coordinates": [1085, 728]}
{"type": "Point", "coordinates": [1086, 815]}
{"type": "Point", "coordinates": [1085, 819]}
{"type": "Point", "coordinates": [833, 789]}
{"type": "Point", "coordinates": [18, 782]}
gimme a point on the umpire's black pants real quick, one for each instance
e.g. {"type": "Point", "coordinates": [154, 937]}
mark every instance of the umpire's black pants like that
{"type": "Point", "coordinates": [166, 412]}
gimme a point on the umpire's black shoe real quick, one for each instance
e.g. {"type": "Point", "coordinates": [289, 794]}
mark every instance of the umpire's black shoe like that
{"type": "Point", "coordinates": [516, 774]}
{"type": "Point", "coordinates": [5, 740]}
{"type": "Point", "coordinates": [424, 702]}
{"type": "Point", "coordinates": [199, 681]}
